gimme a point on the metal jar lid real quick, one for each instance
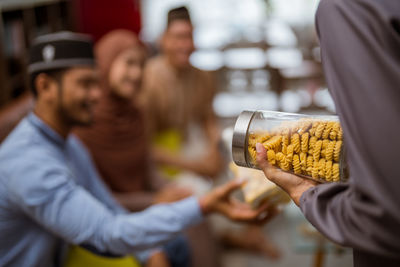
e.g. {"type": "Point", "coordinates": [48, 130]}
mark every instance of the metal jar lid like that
{"type": "Point", "coordinates": [239, 140]}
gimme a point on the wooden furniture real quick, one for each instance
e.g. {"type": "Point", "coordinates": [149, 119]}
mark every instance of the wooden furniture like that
{"type": "Point", "coordinates": [20, 22]}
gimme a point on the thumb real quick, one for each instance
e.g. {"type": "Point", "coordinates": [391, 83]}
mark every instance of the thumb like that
{"type": "Point", "coordinates": [262, 156]}
{"type": "Point", "coordinates": [231, 186]}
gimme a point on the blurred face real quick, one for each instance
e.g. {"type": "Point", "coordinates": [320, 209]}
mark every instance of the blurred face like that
{"type": "Point", "coordinates": [125, 74]}
{"type": "Point", "coordinates": [178, 43]}
{"type": "Point", "coordinates": [78, 92]}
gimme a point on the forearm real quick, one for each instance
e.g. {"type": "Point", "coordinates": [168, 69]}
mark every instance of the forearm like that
{"type": "Point", "coordinates": [77, 217]}
{"type": "Point", "coordinates": [152, 227]}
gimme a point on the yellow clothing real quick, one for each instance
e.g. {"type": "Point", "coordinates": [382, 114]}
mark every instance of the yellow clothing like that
{"type": "Point", "coordinates": [79, 257]}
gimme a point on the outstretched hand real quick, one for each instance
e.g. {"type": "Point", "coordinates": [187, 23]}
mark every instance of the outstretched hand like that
{"type": "Point", "coordinates": [172, 193]}
{"type": "Point", "coordinates": [220, 201]}
{"type": "Point", "coordinates": [294, 185]}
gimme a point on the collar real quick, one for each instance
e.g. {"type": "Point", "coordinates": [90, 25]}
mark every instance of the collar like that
{"type": "Point", "coordinates": [46, 130]}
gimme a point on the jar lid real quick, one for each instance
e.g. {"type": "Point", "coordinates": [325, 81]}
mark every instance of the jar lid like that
{"type": "Point", "coordinates": [239, 140]}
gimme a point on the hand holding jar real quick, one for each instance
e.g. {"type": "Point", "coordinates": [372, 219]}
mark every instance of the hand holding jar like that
{"type": "Point", "coordinates": [291, 147]}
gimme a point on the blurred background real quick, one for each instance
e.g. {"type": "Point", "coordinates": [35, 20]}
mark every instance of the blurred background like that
{"type": "Point", "coordinates": [264, 53]}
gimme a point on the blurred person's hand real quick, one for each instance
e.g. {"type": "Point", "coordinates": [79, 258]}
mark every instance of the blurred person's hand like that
{"type": "Point", "coordinates": [220, 201]}
{"type": "Point", "coordinates": [294, 185]}
{"type": "Point", "coordinates": [172, 193]}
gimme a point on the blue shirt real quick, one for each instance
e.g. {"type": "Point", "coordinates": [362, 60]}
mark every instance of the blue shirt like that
{"type": "Point", "coordinates": [50, 192]}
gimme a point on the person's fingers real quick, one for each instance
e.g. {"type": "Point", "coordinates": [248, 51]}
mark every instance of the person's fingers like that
{"type": "Point", "coordinates": [238, 203]}
{"type": "Point", "coordinates": [265, 212]}
{"type": "Point", "coordinates": [273, 173]}
{"type": "Point", "coordinates": [263, 163]}
{"type": "Point", "coordinates": [245, 214]}
{"type": "Point", "coordinates": [265, 217]}
{"type": "Point", "coordinates": [229, 187]}
{"type": "Point", "coordinates": [262, 156]}
{"type": "Point", "coordinates": [263, 207]}
{"type": "Point", "coordinates": [232, 211]}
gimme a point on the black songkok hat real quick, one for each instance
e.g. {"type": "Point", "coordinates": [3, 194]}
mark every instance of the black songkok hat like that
{"type": "Point", "coordinates": [60, 50]}
{"type": "Point", "coordinates": [179, 13]}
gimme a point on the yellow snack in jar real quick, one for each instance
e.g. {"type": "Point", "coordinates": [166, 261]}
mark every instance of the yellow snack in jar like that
{"type": "Point", "coordinates": [304, 142]}
{"type": "Point", "coordinates": [289, 154]}
{"type": "Point", "coordinates": [328, 170]}
{"type": "Point", "coordinates": [285, 139]}
{"type": "Point", "coordinates": [314, 128]}
{"type": "Point", "coordinates": [273, 142]}
{"type": "Point", "coordinates": [252, 139]}
{"type": "Point", "coordinates": [271, 157]}
{"type": "Point", "coordinates": [284, 149]}
{"type": "Point", "coordinates": [296, 142]}
{"type": "Point", "coordinates": [307, 146]}
{"type": "Point", "coordinates": [253, 153]}
{"type": "Point", "coordinates": [325, 143]}
{"type": "Point", "coordinates": [310, 162]}
{"type": "Point", "coordinates": [329, 150]}
{"type": "Point", "coordinates": [262, 137]}
{"type": "Point", "coordinates": [335, 172]}
{"type": "Point", "coordinates": [311, 143]}
{"type": "Point", "coordinates": [280, 156]}
{"type": "Point", "coordinates": [303, 162]}
{"type": "Point", "coordinates": [321, 168]}
{"type": "Point", "coordinates": [334, 131]}
{"type": "Point", "coordinates": [284, 163]}
{"type": "Point", "coordinates": [296, 164]}
{"type": "Point", "coordinates": [317, 150]}
{"type": "Point", "coordinates": [327, 130]}
{"type": "Point", "coordinates": [315, 170]}
{"type": "Point", "coordinates": [336, 152]}
{"type": "Point", "coordinates": [320, 129]}
{"type": "Point", "coordinates": [305, 126]}
{"type": "Point", "coordinates": [340, 134]}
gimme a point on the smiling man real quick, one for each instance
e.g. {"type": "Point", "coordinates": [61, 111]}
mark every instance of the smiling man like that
{"type": "Point", "coordinates": [50, 191]}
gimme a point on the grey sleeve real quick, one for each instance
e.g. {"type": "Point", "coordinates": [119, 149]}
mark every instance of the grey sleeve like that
{"type": "Point", "coordinates": [351, 219]}
{"type": "Point", "coordinates": [360, 46]}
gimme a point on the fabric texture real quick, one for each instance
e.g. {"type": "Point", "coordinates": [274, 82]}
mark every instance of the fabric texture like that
{"type": "Point", "coordinates": [50, 193]}
{"type": "Point", "coordinates": [360, 41]}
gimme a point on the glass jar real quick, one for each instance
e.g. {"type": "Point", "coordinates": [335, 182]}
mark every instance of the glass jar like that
{"type": "Point", "coordinates": [306, 145]}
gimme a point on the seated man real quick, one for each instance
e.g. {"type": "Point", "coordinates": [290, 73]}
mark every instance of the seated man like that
{"type": "Point", "coordinates": [50, 192]}
{"type": "Point", "coordinates": [187, 143]}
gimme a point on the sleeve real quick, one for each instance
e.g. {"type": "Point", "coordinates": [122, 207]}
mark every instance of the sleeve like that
{"type": "Point", "coordinates": [93, 181]}
{"type": "Point", "coordinates": [50, 197]}
{"type": "Point", "coordinates": [357, 214]}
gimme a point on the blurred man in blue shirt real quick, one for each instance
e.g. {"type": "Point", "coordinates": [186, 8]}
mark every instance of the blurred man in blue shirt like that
{"type": "Point", "coordinates": [50, 191]}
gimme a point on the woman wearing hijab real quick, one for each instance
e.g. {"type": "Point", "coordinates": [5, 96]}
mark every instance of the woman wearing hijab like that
{"type": "Point", "coordinates": [117, 138]}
